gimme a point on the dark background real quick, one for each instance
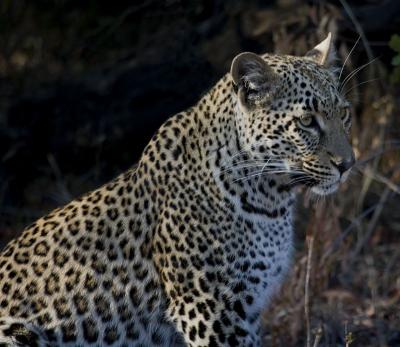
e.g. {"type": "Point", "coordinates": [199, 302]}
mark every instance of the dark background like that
{"type": "Point", "coordinates": [84, 85]}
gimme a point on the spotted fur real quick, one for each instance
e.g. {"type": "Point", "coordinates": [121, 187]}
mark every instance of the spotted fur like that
{"type": "Point", "coordinates": [188, 247]}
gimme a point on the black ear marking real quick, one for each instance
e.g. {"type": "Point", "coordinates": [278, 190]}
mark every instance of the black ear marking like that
{"type": "Point", "coordinates": [254, 79]}
{"type": "Point", "coordinates": [235, 88]}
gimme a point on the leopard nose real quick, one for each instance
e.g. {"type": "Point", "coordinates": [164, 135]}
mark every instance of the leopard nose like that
{"type": "Point", "coordinates": [343, 164]}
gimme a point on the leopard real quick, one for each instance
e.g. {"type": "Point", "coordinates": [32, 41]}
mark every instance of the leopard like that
{"type": "Point", "coordinates": [190, 245]}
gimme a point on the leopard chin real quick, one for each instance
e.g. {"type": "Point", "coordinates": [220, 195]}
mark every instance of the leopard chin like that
{"type": "Point", "coordinates": [325, 189]}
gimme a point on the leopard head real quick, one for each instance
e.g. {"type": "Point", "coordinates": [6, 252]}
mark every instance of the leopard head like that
{"type": "Point", "coordinates": [291, 115]}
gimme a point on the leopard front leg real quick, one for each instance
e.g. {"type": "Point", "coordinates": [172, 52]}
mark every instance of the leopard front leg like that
{"type": "Point", "coordinates": [213, 322]}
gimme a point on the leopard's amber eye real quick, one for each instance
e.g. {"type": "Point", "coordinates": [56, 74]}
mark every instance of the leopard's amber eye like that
{"type": "Point", "coordinates": [306, 120]}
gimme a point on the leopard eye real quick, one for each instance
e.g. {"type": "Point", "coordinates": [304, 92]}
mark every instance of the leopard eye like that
{"type": "Point", "coordinates": [307, 120]}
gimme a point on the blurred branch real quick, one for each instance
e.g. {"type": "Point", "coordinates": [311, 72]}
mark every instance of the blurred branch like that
{"type": "Point", "coordinates": [380, 178]}
{"type": "Point", "coordinates": [356, 222]}
{"type": "Point", "coordinates": [318, 337]}
{"type": "Point", "coordinates": [375, 14]}
{"type": "Point", "coordinates": [64, 195]}
{"type": "Point", "coordinates": [110, 28]}
{"type": "Point", "coordinates": [371, 226]}
{"type": "Point", "coordinates": [359, 28]}
{"type": "Point", "coordinates": [307, 289]}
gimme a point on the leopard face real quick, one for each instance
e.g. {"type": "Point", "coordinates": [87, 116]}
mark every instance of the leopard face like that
{"type": "Point", "coordinates": [292, 117]}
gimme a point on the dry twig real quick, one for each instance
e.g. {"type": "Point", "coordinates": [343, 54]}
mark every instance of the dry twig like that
{"type": "Point", "coordinates": [307, 289]}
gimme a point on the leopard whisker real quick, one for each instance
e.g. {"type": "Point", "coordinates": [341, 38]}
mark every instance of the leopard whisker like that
{"type": "Point", "coordinates": [272, 172]}
{"type": "Point", "coordinates": [242, 163]}
{"type": "Point", "coordinates": [300, 180]}
{"type": "Point", "coordinates": [348, 56]}
{"type": "Point", "coordinates": [240, 167]}
{"type": "Point", "coordinates": [359, 84]}
{"type": "Point", "coordinates": [353, 73]}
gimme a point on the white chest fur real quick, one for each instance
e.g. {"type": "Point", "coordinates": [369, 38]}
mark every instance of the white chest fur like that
{"type": "Point", "coordinates": [269, 253]}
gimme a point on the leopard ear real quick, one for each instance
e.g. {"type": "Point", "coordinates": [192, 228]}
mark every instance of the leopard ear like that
{"type": "Point", "coordinates": [255, 80]}
{"type": "Point", "coordinates": [323, 53]}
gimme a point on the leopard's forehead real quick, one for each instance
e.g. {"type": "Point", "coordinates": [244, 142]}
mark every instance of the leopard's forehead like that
{"type": "Point", "coordinates": [304, 78]}
{"type": "Point", "coordinates": [301, 67]}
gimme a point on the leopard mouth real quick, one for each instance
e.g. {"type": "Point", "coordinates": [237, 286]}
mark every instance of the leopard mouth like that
{"type": "Point", "coordinates": [318, 183]}
{"type": "Point", "coordinates": [317, 186]}
{"type": "Point", "coordinates": [313, 180]}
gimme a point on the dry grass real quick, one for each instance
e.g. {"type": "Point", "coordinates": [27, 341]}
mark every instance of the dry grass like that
{"type": "Point", "coordinates": [344, 289]}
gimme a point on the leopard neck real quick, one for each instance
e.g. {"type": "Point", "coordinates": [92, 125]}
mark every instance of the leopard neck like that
{"type": "Point", "coordinates": [238, 175]}
{"type": "Point", "coordinates": [201, 149]}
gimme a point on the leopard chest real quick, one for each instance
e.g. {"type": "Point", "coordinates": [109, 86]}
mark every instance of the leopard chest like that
{"type": "Point", "coordinates": [262, 261]}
